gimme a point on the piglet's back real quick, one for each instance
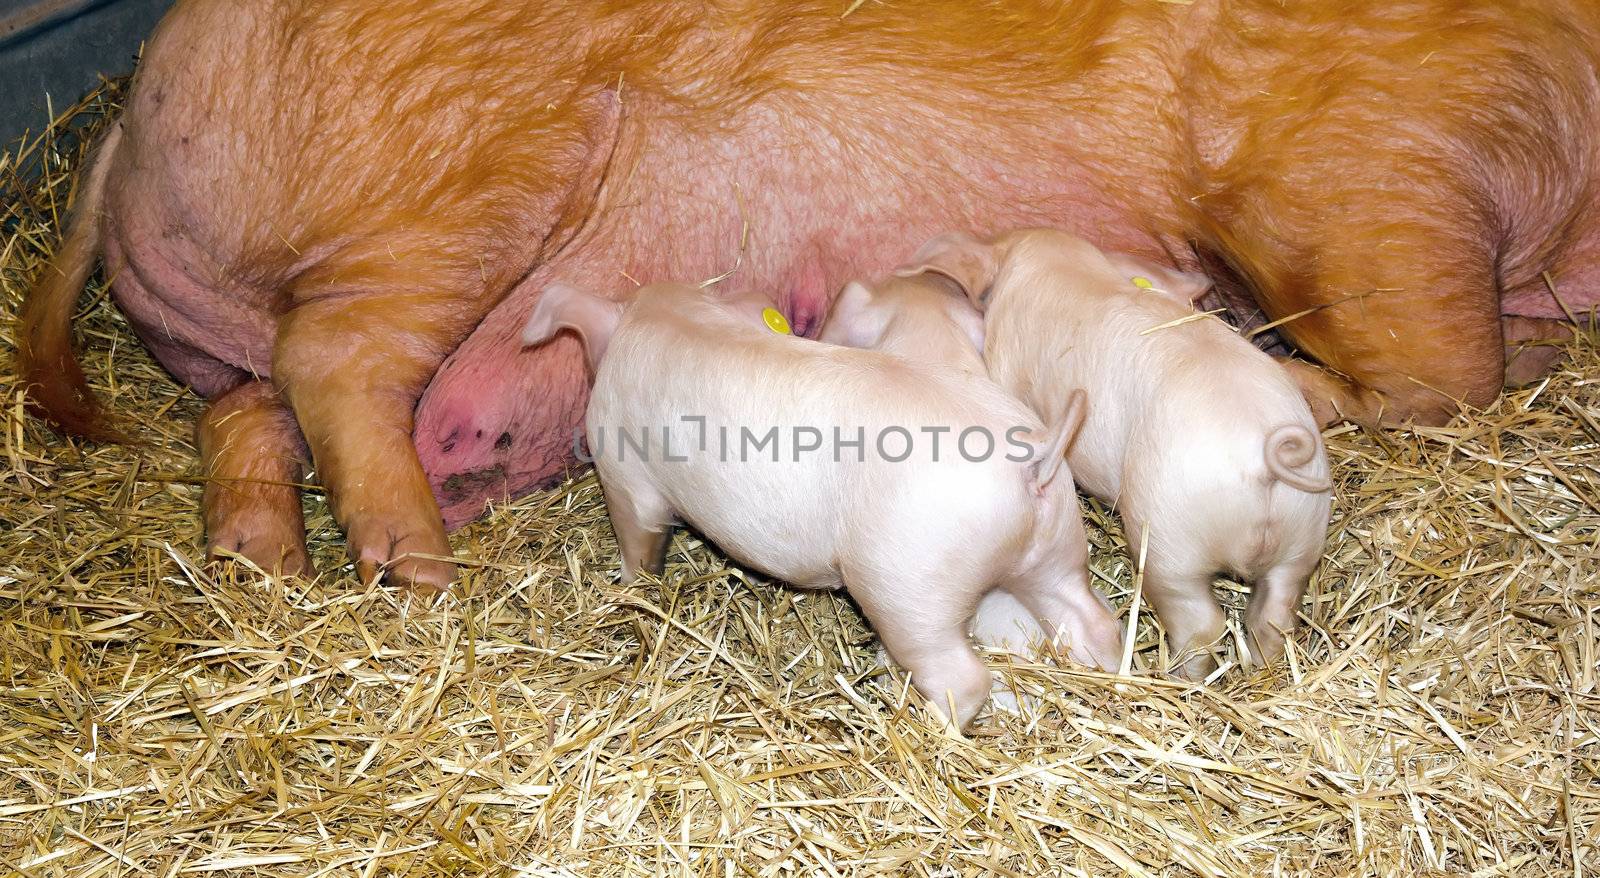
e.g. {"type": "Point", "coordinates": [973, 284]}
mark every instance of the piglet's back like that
{"type": "Point", "coordinates": [1168, 389]}
{"type": "Point", "coordinates": [702, 359]}
{"type": "Point", "coordinates": [1186, 354]}
{"type": "Point", "coordinates": [784, 451]}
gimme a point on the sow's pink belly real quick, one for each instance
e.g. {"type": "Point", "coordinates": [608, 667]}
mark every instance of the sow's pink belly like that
{"type": "Point", "coordinates": [498, 421]}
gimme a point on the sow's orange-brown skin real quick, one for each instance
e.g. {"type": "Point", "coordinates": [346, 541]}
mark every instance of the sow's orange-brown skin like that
{"type": "Point", "coordinates": [310, 204]}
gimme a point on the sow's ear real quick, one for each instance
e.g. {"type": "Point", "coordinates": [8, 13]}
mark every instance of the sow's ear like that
{"type": "Point", "coordinates": [971, 263]}
{"type": "Point", "coordinates": [1188, 286]}
{"type": "Point", "coordinates": [562, 306]}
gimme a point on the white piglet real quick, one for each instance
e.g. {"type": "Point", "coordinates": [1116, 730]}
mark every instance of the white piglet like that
{"type": "Point", "coordinates": [1203, 443]}
{"type": "Point", "coordinates": [928, 318]}
{"type": "Point", "coordinates": [809, 462]}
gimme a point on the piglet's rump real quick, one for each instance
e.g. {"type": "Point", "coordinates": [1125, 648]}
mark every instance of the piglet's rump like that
{"type": "Point", "coordinates": [1203, 443]}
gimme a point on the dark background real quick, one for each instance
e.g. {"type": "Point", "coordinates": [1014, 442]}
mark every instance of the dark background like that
{"type": "Point", "coordinates": [60, 48]}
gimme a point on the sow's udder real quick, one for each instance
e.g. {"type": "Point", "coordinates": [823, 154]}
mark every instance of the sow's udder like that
{"type": "Point", "coordinates": [498, 422]}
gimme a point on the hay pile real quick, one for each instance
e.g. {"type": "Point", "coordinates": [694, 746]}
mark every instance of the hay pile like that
{"type": "Point", "coordinates": [1438, 715]}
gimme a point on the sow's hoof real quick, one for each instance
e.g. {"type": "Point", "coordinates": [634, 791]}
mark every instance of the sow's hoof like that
{"type": "Point", "coordinates": [271, 554]}
{"type": "Point", "coordinates": [274, 543]}
{"type": "Point", "coordinates": [405, 553]}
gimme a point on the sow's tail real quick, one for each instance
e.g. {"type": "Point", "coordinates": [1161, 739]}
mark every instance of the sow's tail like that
{"type": "Point", "coordinates": [1289, 448]}
{"type": "Point", "coordinates": [50, 373]}
{"type": "Point", "coordinates": [1056, 443]}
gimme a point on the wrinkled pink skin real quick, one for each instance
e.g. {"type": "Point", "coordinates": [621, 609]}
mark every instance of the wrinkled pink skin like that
{"type": "Point", "coordinates": [498, 420]}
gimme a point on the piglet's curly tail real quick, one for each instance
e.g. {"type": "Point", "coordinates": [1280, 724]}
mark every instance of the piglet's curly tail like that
{"type": "Point", "coordinates": [1289, 449]}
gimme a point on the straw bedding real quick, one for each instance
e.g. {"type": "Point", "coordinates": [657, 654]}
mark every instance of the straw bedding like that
{"type": "Point", "coordinates": [1438, 714]}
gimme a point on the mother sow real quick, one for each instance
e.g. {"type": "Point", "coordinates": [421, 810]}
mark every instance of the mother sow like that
{"type": "Point", "coordinates": [331, 217]}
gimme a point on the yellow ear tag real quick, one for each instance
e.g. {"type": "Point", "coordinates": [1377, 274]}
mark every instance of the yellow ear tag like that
{"type": "Point", "coordinates": [775, 322]}
{"type": "Point", "coordinates": [1143, 283]}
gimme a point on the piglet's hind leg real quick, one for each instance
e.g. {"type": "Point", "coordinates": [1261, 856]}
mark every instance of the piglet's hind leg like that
{"type": "Point", "coordinates": [928, 637]}
{"type": "Point", "coordinates": [1075, 615]}
{"type": "Point", "coordinates": [1187, 607]}
{"type": "Point", "coordinates": [1002, 622]}
{"type": "Point", "coordinates": [254, 461]}
{"type": "Point", "coordinates": [1270, 615]}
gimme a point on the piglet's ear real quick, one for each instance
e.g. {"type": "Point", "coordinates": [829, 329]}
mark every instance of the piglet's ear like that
{"type": "Point", "coordinates": [562, 306]}
{"type": "Point", "coordinates": [1054, 445]}
{"type": "Point", "coordinates": [971, 263]}
{"type": "Point", "coordinates": [855, 319]}
{"type": "Point", "coordinates": [1188, 286]}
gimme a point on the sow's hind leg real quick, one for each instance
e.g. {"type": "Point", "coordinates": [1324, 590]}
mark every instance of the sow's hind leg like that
{"type": "Point", "coordinates": [1533, 346]}
{"type": "Point", "coordinates": [254, 460]}
{"type": "Point", "coordinates": [1353, 214]}
{"type": "Point", "coordinates": [1402, 315]}
{"type": "Point", "coordinates": [352, 366]}
{"type": "Point", "coordinates": [251, 453]}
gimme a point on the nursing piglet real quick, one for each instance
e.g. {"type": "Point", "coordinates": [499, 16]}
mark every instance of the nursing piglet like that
{"type": "Point", "coordinates": [1203, 442]}
{"type": "Point", "coordinates": [811, 463]}
{"type": "Point", "coordinates": [926, 317]}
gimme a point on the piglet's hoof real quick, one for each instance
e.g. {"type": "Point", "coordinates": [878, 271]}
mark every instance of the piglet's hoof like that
{"type": "Point", "coordinates": [404, 556]}
{"type": "Point", "coordinates": [1195, 666]}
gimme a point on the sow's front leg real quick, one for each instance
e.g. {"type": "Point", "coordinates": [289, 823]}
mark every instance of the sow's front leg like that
{"type": "Point", "coordinates": [352, 367]}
